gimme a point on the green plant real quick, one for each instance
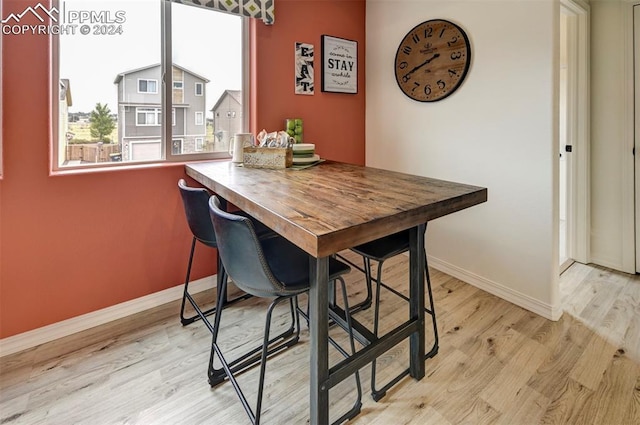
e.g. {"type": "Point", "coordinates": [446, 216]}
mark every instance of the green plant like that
{"type": "Point", "coordinates": [101, 123]}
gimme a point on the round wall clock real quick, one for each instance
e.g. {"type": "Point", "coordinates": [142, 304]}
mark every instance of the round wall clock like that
{"type": "Point", "coordinates": [432, 60]}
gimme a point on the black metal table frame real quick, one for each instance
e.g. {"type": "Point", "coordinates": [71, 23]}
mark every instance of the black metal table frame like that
{"type": "Point", "coordinates": [323, 378]}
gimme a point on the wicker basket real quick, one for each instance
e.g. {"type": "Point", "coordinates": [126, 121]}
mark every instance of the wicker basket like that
{"type": "Point", "coordinates": [273, 158]}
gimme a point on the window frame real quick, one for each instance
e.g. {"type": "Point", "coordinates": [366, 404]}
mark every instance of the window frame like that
{"type": "Point", "coordinates": [164, 88]}
{"type": "Point", "coordinates": [195, 118]}
{"type": "Point", "coordinates": [1, 101]}
{"type": "Point", "coordinates": [178, 139]}
{"type": "Point", "coordinates": [147, 80]}
{"type": "Point", "coordinates": [201, 85]}
{"type": "Point", "coordinates": [157, 114]}
{"type": "Point", "coordinates": [199, 148]}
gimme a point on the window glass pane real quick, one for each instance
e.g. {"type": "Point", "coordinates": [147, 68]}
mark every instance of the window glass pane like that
{"type": "Point", "coordinates": [176, 147]}
{"type": "Point", "coordinates": [103, 77]}
{"type": "Point", "coordinates": [207, 58]}
{"type": "Point", "coordinates": [199, 143]}
{"type": "Point", "coordinates": [109, 82]}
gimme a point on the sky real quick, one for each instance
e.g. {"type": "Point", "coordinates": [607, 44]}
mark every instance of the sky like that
{"type": "Point", "coordinates": [206, 42]}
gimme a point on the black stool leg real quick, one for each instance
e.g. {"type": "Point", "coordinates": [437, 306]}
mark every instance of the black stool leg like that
{"type": "Point", "coordinates": [187, 296]}
{"type": "Point", "coordinates": [377, 394]}
{"type": "Point", "coordinates": [265, 351]}
{"type": "Point", "coordinates": [220, 292]}
{"type": "Point", "coordinates": [286, 339]}
{"type": "Point", "coordinates": [366, 303]}
{"type": "Point", "coordinates": [357, 406]}
{"type": "Point", "coordinates": [215, 350]}
{"type": "Point", "coordinates": [228, 368]}
{"type": "Point", "coordinates": [376, 321]}
{"type": "Point", "coordinates": [431, 312]}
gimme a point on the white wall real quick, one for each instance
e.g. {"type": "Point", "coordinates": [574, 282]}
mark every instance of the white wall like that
{"type": "Point", "coordinates": [612, 202]}
{"type": "Point", "coordinates": [499, 130]}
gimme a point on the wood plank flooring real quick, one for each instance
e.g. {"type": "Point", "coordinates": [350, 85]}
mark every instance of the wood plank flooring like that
{"type": "Point", "coordinates": [497, 364]}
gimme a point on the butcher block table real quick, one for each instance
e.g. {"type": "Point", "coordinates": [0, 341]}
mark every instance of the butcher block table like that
{"type": "Point", "coordinates": [334, 206]}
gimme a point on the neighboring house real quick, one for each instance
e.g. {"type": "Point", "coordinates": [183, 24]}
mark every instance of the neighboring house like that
{"type": "Point", "coordinates": [140, 118]}
{"type": "Point", "coordinates": [64, 102]}
{"type": "Point", "coordinates": [227, 115]}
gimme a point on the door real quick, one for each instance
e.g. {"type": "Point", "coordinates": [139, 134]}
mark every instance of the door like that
{"type": "Point", "coordinates": [145, 150]}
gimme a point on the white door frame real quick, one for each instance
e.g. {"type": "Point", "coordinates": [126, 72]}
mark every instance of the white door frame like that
{"type": "Point", "coordinates": [578, 128]}
{"type": "Point", "coordinates": [566, 134]}
{"type": "Point", "coordinates": [635, 129]}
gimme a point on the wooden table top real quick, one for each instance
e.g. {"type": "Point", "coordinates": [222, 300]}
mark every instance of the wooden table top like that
{"type": "Point", "coordinates": [334, 206]}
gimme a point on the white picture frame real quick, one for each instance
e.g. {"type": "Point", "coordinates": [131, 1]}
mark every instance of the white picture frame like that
{"type": "Point", "coordinates": [339, 65]}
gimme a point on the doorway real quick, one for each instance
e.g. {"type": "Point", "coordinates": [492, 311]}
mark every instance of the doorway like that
{"type": "Point", "coordinates": [573, 135]}
{"type": "Point", "coordinates": [565, 141]}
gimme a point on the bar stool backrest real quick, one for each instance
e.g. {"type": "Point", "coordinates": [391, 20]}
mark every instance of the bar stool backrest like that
{"type": "Point", "coordinates": [196, 201]}
{"type": "Point", "coordinates": [242, 254]}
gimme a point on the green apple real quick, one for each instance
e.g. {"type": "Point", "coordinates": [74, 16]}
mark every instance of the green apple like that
{"type": "Point", "coordinates": [291, 124]}
{"type": "Point", "coordinates": [298, 130]}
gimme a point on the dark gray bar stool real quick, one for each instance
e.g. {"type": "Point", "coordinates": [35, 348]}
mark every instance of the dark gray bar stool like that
{"type": "Point", "coordinates": [196, 208]}
{"type": "Point", "coordinates": [381, 250]}
{"type": "Point", "coordinates": [270, 268]}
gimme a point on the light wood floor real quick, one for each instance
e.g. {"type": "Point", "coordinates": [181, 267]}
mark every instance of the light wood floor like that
{"type": "Point", "coordinates": [497, 363]}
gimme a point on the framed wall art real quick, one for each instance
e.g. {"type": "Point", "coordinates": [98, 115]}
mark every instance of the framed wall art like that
{"type": "Point", "coordinates": [339, 65]}
{"type": "Point", "coordinates": [304, 68]}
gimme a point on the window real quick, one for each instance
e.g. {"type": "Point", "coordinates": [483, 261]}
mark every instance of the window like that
{"type": "Point", "coordinates": [199, 118]}
{"type": "Point", "coordinates": [199, 144]}
{"type": "Point", "coordinates": [176, 146]}
{"type": "Point", "coordinates": [148, 116]}
{"type": "Point", "coordinates": [148, 86]}
{"type": "Point", "coordinates": [231, 114]}
{"type": "Point", "coordinates": [128, 91]}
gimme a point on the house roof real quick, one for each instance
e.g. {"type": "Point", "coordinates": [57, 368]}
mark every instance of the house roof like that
{"type": "Point", "coordinates": [65, 91]}
{"type": "Point", "coordinates": [235, 94]}
{"type": "Point", "coordinates": [122, 74]}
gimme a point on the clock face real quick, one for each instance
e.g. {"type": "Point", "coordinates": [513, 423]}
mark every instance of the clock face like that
{"type": "Point", "coordinates": [432, 60]}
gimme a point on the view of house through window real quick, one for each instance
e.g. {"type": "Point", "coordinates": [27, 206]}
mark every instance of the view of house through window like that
{"type": "Point", "coordinates": [110, 83]}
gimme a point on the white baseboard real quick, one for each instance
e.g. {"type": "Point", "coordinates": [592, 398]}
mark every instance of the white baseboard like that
{"type": "Point", "coordinates": [548, 311]}
{"type": "Point", "coordinates": [48, 333]}
{"type": "Point", "coordinates": [26, 340]}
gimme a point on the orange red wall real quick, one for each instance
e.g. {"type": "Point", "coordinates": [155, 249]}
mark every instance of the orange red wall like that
{"type": "Point", "coordinates": [78, 243]}
{"type": "Point", "coordinates": [333, 121]}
